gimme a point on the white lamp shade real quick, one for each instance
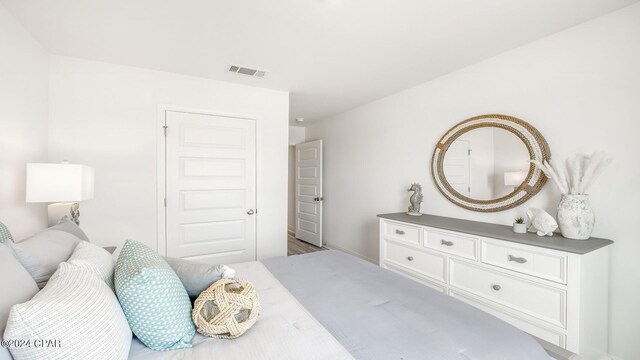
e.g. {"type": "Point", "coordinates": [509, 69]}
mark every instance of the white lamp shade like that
{"type": "Point", "coordinates": [59, 183]}
{"type": "Point", "coordinates": [514, 178]}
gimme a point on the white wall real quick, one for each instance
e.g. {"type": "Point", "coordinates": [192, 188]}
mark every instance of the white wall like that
{"type": "Point", "coordinates": [24, 79]}
{"type": "Point", "coordinates": [296, 135]}
{"type": "Point", "coordinates": [105, 116]}
{"type": "Point", "coordinates": [580, 88]}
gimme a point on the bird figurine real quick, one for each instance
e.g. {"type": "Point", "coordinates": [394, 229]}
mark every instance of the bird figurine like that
{"type": "Point", "coordinates": [541, 222]}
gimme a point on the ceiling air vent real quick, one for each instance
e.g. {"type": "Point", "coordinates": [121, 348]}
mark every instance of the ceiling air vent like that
{"type": "Point", "coordinates": [246, 71]}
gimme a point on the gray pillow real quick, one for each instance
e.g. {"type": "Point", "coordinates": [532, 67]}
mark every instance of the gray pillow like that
{"type": "Point", "coordinates": [65, 224]}
{"type": "Point", "coordinates": [16, 286]}
{"type": "Point", "coordinates": [197, 277]}
{"type": "Point", "coordinates": [43, 252]}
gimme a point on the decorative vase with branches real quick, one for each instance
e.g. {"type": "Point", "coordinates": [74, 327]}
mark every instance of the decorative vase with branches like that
{"type": "Point", "coordinates": [574, 178]}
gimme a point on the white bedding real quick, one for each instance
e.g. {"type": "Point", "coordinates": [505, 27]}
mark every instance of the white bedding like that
{"type": "Point", "coordinates": [284, 330]}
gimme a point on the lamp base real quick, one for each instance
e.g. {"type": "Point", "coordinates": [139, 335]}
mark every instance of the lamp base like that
{"type": "Point", "coordinates": [58, 210]}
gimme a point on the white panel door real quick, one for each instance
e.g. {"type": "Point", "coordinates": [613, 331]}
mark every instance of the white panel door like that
{"type": "Point", "coordinates": [456, 166]}
{"type": "Point", "coordinates": [309, 192]}
{"type": "Point", "coordinates": [210, 187]}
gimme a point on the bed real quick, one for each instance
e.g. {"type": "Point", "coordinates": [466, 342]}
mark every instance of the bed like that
{"type": "Point", "coordinates": [322, 305]}
{"type": "Point", "coordinates": [331, 305]}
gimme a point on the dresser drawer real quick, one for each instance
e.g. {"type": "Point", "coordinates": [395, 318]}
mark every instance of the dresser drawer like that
{"type": "Point", "coordinates": [435, 285]}
{"type": "Point", "coordinates": [540, 301]}
{"type": "Point", "coordinates": [402, 232]}
{"type": "Point", "coordinates": [424, 263]}
{"type": "Point", "coordinates": [451, 243]}
{"type": "Point", "coordinates": [544, 264]}
{"type": "Point", "coordinates": [554, 337]}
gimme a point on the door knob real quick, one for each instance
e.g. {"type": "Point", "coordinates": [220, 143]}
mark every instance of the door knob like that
{"type": "Point", "coordinates": [496, 287]}
{"type": "Point", "coordinates": [317, 198]}
{"type": "Point", "coordinates": [250, 212]}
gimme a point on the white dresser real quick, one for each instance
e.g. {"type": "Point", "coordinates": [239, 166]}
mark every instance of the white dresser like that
{"type": "Point", "coordinates": [553, 288]}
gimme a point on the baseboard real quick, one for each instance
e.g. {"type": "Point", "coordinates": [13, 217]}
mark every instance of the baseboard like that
{"type": "Point", "coordinates": [334, 247]}
{"type": "Point", "coordinates": [291, 230]}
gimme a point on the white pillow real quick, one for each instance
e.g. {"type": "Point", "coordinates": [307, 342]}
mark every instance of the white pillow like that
{"type": "Point", "coordinates": [95, 259]}
{"type": "Point", "coordinates": [76, 310]}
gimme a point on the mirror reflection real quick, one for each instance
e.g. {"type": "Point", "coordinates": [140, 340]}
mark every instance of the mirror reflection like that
{"type": "Point", "coordinates": [486, 163]}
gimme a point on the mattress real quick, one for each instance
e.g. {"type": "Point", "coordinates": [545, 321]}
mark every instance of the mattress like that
{"type": "Point", "coordinates": [380, 315]}
{"type": "Point", "coordinates": [284, 330]}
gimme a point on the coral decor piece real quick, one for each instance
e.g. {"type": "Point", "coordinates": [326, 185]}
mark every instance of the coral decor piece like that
{"type": "Point", "coordinates": [74, 211]}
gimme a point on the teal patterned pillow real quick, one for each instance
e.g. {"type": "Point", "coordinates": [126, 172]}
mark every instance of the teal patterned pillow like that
{"type": "Point", "coordinates": [5, 235]}
{"type": "Point", "coordinates": [153, 299]}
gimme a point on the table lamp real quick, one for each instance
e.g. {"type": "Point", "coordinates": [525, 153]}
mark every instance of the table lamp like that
{"type": "Point", "coordinates": [62, 185]}
{"type": "Point", "coordinates": [514, 178]}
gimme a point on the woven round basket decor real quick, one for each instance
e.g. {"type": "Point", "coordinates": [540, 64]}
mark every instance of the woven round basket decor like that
{"type": "Point", "coordinates": [227, 309]}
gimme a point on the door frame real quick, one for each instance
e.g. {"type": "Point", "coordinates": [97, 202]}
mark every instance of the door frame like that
{"type": "Point", "coordinates": [161, 185]}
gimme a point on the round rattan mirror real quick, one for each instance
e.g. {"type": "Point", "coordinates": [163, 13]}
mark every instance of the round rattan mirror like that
{"type": "Point", "coordinates": [483, 163]}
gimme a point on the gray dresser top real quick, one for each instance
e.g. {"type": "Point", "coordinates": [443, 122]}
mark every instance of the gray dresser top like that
{"type": "Point", "coordinates": [502, 232]}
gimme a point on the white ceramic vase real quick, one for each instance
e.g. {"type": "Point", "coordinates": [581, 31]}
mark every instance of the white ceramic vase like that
{"type": "Point", "coordinates": [575, 217]}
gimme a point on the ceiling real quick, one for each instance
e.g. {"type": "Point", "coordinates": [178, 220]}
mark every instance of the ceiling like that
{"type": "Point", "coordinates": [332, 55]}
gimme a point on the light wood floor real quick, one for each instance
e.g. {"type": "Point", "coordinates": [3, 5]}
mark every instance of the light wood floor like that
{"type": "Point", "coordinates": [297, 247]}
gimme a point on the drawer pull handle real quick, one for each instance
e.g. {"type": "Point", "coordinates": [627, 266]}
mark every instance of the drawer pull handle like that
{"type": "Point", "coordinates": [446, 243]}
{"type": "Point", "coordinates": [519, 260]}
{"type": "Point", "coordinates": [410, 258]}
{"type": "Point", "coordinates": [496, 287]}
{"type": "Point", "coordinates": [399, 232]}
